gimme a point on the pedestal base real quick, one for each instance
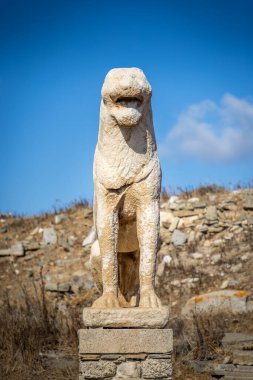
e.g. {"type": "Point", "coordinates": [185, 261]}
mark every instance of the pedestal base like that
{"type": "Point", "coordinates": [134, 317]}
{"type": "Point", "coordinates": [125, 354]}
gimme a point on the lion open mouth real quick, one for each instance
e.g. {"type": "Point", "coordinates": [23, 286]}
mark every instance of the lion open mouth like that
{"type": "Point", "coordinates": [129, 101]}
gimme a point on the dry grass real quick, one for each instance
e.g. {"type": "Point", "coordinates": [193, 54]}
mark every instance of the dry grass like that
{"type": "Point", "coordinates": [200, 337]}
{"type": "Point", "coordinates": [29, 327]}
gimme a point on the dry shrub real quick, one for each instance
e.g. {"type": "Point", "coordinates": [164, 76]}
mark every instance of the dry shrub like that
{"type": "Point", "coordinates": [31, 327]}
{"type": "Point", "coordinates": [200, 336]}
{"type": "Point", "coordinates": [165, 195]}
{"type": "Point", "coordinates": [200, 191]}
{"type": "Point", "coordinates": [208, 331]}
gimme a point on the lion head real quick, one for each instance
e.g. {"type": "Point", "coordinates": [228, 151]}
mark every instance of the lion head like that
{"type": "Point", "coordinates": [125, 94]}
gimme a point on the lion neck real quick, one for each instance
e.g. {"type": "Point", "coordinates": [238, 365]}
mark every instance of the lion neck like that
{"type": "Point", "coordinates": [124, 154]}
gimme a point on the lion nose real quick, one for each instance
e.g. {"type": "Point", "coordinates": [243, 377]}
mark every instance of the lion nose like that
{"type": "Point", "coordinates": [125, 84]}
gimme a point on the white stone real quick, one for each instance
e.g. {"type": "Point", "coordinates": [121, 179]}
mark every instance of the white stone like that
{"type": "Point", "coordinates": [92, 236]}
{"type": "Point", "coordinates": [50, 235]}
{"type": "Point", "coordinates": [174, 224]}
{"type": "Point", "coordinates": [218, 242]}
{"type": "Point", "coordinates": [60, 218]}
{"type": "Point", "coordinates": [167, 259]}
{"type": "Point", "coordinates": [174, 199]}
{"type": "Point", "coordinates": [197, 255]}
{"type": "Point", "coordinates": [166, 217]}
{"type": "Point", "coordinates": [225, 284]}
{"type": "Point", "coordinates": [216, 258]}
{"type": "Point", "coordinates": [193, 200]}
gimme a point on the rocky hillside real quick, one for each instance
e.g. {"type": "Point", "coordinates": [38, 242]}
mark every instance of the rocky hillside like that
{"type": "Point", "coordinates": [206, 246]}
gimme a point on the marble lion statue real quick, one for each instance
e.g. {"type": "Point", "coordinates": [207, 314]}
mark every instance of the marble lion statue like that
{"type": "Point", "coordinates": [127, 182]}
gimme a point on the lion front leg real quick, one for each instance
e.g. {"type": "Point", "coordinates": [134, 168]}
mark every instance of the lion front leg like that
{"type": "Point", "coordinates": [148, 235]}
{"type": "Point", "coordinates": [107, 230]}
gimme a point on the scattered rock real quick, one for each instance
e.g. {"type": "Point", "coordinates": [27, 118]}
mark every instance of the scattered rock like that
{"type": "Point", "coordinates": [203, 228]}
{"type": "Point", "coordinates": [220, 301]}
{"type": "Point", "coordinates": [211, 213]}
{"type": "Point", "coordinates": [193, 200]}
{"type": "Point", "coordinates": [58, 287]}
{"type": "Point", "coordinates": [31, 245]}
{"type": "Point", "coordinates": [216, 258]}
{"type": "Point", "coordinates": [15, 250]}
{"type": "Point", "coordinates": [178, 238]}
{"type": "Point", "coordinates": [167, 259]}
{"type": "Point", "coordinates": [50, 235]}
{"type": "Point", "coordinates": [197, 255]}
{"type": "Point", "coordinates": [174, 224]}
{"type": "Point", "coordinates": [248, 204]}
{"type": "Point", "coordinates": [166, 218]}
{"type": "Point", "coordinates": [191, 237]}
{"type": "Point", "coordinates": [250, 220]}
{"type": "Point", "coordinates": [63, 242]}
{"type": "Point", "coordinates": [236, 268]}
{"type": "Point", "coordinates": [59, 218]}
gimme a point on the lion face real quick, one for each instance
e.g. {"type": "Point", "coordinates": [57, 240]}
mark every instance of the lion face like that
{"type": "Point", "coordinates": [125, 93]}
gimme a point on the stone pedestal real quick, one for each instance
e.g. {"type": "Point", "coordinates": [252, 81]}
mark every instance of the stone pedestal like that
{"type": "Point", "coordinates": [124, 353]}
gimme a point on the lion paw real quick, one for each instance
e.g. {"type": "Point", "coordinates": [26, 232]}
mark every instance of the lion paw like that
{"type": "Point", "coordinates": [107, 301]}
{"type": "Point", "coordinates": [149, 299]}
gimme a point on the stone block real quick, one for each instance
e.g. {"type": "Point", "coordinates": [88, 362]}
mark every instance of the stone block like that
{"type": "Point", "coordinates": [97, 370]}
{"type": "Point", "coordinates": [126, 317]}
{"type": "Point", "coordinates": [156, 368]}
{"type": "Point", "coordinates": [243, 357]}
{"type": "Point", "coordinates": [128, 370]}
{"type": "Point", "coordinates": [125, 341]}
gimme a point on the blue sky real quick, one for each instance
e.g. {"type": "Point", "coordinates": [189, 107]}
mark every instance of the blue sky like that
{"type": "Point", "coordinates": [54, 55]}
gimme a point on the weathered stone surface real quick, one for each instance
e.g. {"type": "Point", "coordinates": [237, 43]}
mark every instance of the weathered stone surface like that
{"type": "Point", "coordinates": [219, 301]}
{"type": "Point", "coordinates": [153, 368]}
{"type": "Point", "coordinates": [126, 317]}
{"type": "Point", "coordinates": [88, 357]}
{"type": "Point", "coordinates": [128, 370]}
{"type": "Point", "coordinates": [98, 370]}
{"type": "Point", "coordinates": [125, 341]}
{"type": "Point", "coordinates": [126, 173]}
